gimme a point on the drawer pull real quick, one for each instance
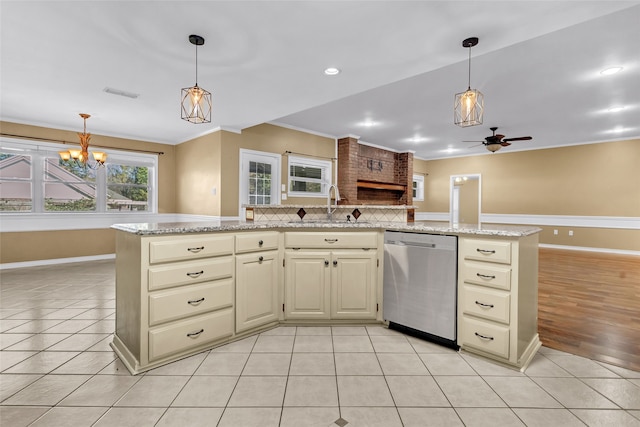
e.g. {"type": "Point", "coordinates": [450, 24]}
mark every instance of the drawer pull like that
{"type": "Point", "coordinates": [485, 276]}
{"type": "Point", "coordinates": [198, 301]}
{"type": "Point", "coordinates": [484, 337]}
{"type": "Point", "coordinates": [480, 304]}
{"type": "Point", "coordinates": [195, 250]}
{"type": "Point", "coordinates": [485, 251]}
{"type": "Point", "coordinates": [195, 334]}
{"type": "Point", "coordinates": [331, 240]}
{"type": "Point", "coordinates": [196, 274]}
{"type": "Point", "coordinates": [260, 243]}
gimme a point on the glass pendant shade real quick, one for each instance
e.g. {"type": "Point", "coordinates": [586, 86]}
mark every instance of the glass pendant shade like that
{"type": "Point", "coordinates": [494, 147]}
{"type": "Point", "coordinates": [469, 108]}
{"type": "Point", "coordinates": [196, 105]}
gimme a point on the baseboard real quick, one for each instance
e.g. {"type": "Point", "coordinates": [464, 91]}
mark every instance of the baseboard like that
{"type": "Point", "coordinates": [586, 249]}
{"type": "Point", "coordinates": [40, 262]}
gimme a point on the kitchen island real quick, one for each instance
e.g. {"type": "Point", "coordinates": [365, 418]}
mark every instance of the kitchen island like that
{"type": "Point", "coordinates": [185, 287]}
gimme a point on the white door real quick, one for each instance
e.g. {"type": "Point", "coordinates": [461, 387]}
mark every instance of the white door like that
{"type": "Point", "coordinates": [259, 178]}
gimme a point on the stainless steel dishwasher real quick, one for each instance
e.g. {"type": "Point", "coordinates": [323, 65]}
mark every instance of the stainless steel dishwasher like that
{"type": "Point", "coordinates": [420, 290]}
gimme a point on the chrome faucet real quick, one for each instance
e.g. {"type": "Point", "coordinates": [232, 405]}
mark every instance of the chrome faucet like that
{"type": "Point", "coordinates": [337, 194]}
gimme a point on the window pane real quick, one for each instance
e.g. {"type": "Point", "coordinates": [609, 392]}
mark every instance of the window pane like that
{"type": "Point", "coordinates": [309, 187]}
{"type": "Point", "coordinates": [57, 170]}
{"type": "Point", "coordinates": [15, 196]}
{"type": "Point", "coordinates": [15, 166]}
{"type": "Point", "coordinates": [69, 197]}
{"type": "Point", "coordinates": [306, 172]}
{"type": "Point", "coordinates": [127, 174]}
{"type": "Point", "coordinates": [127, 188]}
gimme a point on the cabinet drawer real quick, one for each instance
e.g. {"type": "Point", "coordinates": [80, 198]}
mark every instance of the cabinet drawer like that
{"type": "Point", "coordinates": [249, 242]}
{"type": "Point", "coordinates": [185, 301]}
{"type": "Point", "coordinates": [165, 276]}
{"type": "Point", "coordinates": [487, 250]}
{"type": "Point", "coordinates": [330, 240]}
{"type": "Point", "coordinates": [487, 303]}
{"type": "Point", "coordinates": [190, 333]}
{"type": "Point", "coordinates": [486, 336]}
{"type": "Point", "coordinates": [180, 248]}
{"type": "Point", "coordinates": [485, 274]}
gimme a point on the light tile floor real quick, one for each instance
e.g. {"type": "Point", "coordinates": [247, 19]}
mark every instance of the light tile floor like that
{"type": "Point", "coordinates": [57, 369]}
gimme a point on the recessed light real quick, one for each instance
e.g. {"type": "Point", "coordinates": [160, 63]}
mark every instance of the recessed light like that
{"type": "Point", "coordinates": [611, 70]}
{"type": "Point", "coordinates": [616, 109]}
{"type": "Point", "coordinates": [331, 71]}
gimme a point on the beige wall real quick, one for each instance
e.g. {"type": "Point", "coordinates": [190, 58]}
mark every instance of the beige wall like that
{"type": "Point", "coordinates": [197, 174]}
{"type": "Point", "coordinates": [584, 180]}
{"type": "Point", "coordinates": [222, 153]}
{"type": "Point", "coordinates": [28, 246]}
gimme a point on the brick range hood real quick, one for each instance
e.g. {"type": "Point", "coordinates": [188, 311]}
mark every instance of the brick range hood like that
{"type": "Point", "coordinates": [373, 176]}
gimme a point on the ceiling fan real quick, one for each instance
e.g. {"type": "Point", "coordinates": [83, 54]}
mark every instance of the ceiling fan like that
{"type": "Point", "coordinates": [495, 142]}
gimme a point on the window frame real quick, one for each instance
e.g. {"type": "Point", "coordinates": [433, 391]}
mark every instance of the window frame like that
{"type": "Point", "coordinates": [327, 172]}
{"type": "Point", "coordinates": [40, 151]}
{"type": "Point", "coordinates": [419, 179]}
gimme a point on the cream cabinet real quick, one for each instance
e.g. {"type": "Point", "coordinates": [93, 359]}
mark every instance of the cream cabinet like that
{"type": "Point", "coordinates": [174, 296]}
{"type": "Point", "coordinates": [257, 280]}
{"type": "Point", "coordinates": [331, 275]}
{"type": "Point", "coordinates": [497, 298]}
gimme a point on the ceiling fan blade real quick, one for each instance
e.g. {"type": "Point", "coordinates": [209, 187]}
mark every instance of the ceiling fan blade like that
{"type": "Point", "coordinates": [477, 145]}
{"type": "Point", "coordinates": [522, 138]}
{"type": "Point", "coordinates": [474, 141]}
{"type": "Point", "coordinates": [505, 144]}
{"type": "Point", "coordinates": [499, 137]}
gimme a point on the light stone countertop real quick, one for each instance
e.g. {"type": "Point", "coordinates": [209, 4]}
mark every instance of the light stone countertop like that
{"type": "Point", "coordinates": [153, 229]}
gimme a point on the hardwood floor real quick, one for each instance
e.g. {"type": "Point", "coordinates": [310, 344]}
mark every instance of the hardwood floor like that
{"type": "Point", "coordinates": [589, 305]}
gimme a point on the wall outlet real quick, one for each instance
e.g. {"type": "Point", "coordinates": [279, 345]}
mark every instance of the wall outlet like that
{"type": "Point", "coordinates": [570, 232]}
{"type": "Point", "coordinates": [214, 191]}
{"type": "Point", "coordinates": [555, 232]}
{"type": "Point", "coordinates": [284, 196]}
{"type": "Point", "coordinates": [284, 187]}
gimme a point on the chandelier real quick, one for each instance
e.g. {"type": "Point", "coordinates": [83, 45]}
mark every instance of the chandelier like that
{"type": "Point", "coordinates": [469, 105]}
{"type": "Point", "coordinates": [81, 156]}
{"type": "Point", "coordinates": [196, 102]}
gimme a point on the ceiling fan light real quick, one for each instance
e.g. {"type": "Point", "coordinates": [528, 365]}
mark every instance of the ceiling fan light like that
{"type": "Point", "coordinates": [469, 108]}
{"type": "Point", "coordinates": [493, 147]}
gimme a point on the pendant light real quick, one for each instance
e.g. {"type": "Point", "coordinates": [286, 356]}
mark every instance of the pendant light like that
{"type": "Point", "coordinates": [469, 105]}
{"type": "Point", "coordinates": [196, 102]}
{"type": "Point", "coordinates": [81, 156]}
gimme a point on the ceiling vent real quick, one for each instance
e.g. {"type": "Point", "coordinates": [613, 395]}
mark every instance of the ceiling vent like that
{"type": "Point", "coordinates": [121, 93]}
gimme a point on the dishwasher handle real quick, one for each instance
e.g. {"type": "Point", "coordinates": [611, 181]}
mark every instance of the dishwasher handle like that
{"type": "Point", "coordinates": [417, 244]}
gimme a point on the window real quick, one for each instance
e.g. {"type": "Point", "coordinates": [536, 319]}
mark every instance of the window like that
{"type": "Point", "coordinates": [308, 177]}
{"type": "Point", "coordinates": [33, 179]}
{"type": "Point", "coordinates": [418, 188]}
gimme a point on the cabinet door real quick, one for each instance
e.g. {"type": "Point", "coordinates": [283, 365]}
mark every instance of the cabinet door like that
{"type": "Point", "coordinates": [256, 289]}
{"type": "Point", "coordinates": [307, 286]}
{"type": "Point", "coordinates": [353, 290]}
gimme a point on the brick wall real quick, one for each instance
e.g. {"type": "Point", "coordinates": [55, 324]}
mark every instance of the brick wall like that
{"type": "Point", "coordinates": [365, 163]}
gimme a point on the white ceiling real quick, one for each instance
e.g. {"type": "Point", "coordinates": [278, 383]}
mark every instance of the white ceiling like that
{"type": "Point", "coordinates": [538, 64]}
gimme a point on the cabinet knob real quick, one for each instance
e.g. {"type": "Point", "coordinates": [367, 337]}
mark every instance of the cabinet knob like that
{"type": "Point", "coordinates": [260, 243]}
{"type": "Point", "coordinates": [335, 262]}
{"type": "Point", "coordinates": [260, 258]}
{"type": "Point", "coordinates": [326, 262]}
